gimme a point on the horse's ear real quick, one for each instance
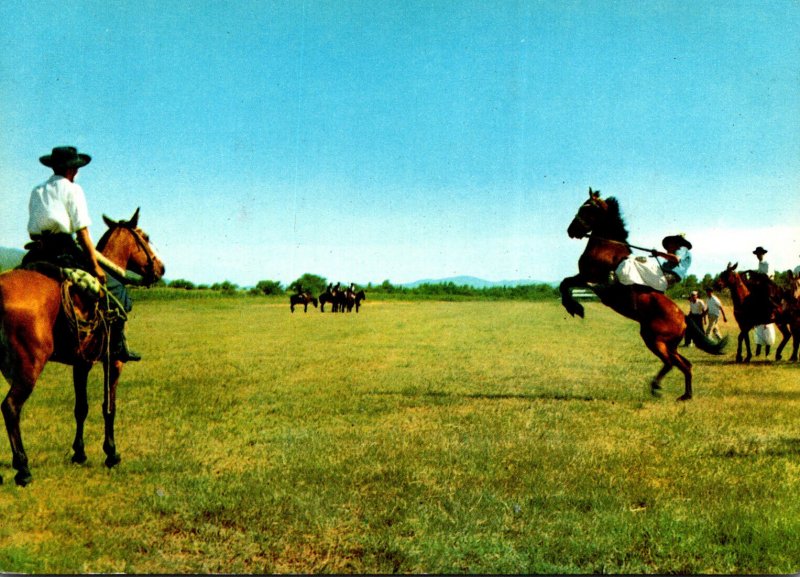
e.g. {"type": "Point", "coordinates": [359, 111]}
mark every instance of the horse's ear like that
{"type": "Point", "coordinates": [594, 193]}
{"type": "Point", "coordinates": [109, 223]}
{"type": "Point", "coordinates": [734, 266]}
{"type": "Point", "coordinates": [134, 221]}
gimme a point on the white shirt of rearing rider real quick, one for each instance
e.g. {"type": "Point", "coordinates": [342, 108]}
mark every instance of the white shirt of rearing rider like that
{"type": "Point", "coordinates": [58, 205]}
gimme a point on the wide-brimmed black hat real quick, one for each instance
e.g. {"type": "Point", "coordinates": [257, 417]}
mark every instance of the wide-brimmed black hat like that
{"type": "Point", "coordinates": [678, 239]}
{"type": "Point", "coordinates": [65, 157]}
{"type": "Point", "coordinates": [760, 250]}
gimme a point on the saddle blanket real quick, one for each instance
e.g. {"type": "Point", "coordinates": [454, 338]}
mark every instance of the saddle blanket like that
{"type": "Point", "coordinates": [86, 283]}
{"type": "Point", "coordinates": [643, 271]}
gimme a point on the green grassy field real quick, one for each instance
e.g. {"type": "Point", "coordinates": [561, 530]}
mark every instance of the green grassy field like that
{"type": "Point", "coordinates": [413, 437]}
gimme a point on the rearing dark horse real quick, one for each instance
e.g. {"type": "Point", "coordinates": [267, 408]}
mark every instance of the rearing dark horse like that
{"type": "Point", "coordinates": [33, 331]}
{"type": "Point", "coordinates": [662, 323]}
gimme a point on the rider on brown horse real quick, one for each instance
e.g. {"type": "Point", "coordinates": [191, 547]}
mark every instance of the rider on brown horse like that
{"type": "Point", "coordinates": [58, 210]}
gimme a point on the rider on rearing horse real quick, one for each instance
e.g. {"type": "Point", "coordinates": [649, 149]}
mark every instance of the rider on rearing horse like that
{"type": "Point", "coordinates": [57, 210]}
{"type": "Point", "coordinates": [639, 270]}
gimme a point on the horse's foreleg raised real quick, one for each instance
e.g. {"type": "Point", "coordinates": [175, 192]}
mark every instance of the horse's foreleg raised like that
{"type": "Point", "coordinates": [565, 288]}
{"type": "Point", "coordinates": [112, 371]}
{"type": "Point", "coordinates": [80, 376]}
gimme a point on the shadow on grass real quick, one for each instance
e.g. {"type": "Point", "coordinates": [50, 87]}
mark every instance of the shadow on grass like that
{"type": "Point", "coordinates": [546, 396]}
{"type": "Point", "coordinates": [757, 448]}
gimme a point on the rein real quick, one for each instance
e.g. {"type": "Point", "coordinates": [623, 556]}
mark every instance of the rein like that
{"type": "Point", "coordinates": [629, 245]}
{"type": "Point", "coordinates": [122, 274]}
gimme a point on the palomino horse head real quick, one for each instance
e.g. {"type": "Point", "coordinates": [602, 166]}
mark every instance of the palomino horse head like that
{"type": "Point", "coordinates": [588, 215]}
{"type": "Point", "coordinates": [129, 246]}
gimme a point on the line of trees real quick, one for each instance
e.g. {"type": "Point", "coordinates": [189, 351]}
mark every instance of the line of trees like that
{"type": "Point", "coordinates": [446, 291]}
{"type": "Point", "coordinates": [317, 285]}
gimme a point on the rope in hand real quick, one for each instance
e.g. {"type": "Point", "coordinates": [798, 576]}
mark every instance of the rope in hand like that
{"type": "Point", "coordinates": [653, 252]}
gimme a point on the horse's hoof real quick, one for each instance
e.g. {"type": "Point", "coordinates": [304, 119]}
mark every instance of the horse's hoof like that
{"type": "Point", "coordinates": [1, 479]}
{"type": "Point", "coordinates": [113, 460]}
{"type": "Point", "coordinates": [684, 397]}
{"type": "Point", "coordinates": [79, 459]}
{"type": "Point", "coordinates": [23, 478]}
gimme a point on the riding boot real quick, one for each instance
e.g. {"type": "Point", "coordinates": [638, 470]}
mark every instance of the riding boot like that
{"type": "Point", "coordinates": [766, 350]}
{"type": "Point", "coordinates": [119, 345]}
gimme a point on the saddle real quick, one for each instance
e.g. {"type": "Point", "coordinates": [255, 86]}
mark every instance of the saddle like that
{"type": "Point", "coordinates": [87, 309]}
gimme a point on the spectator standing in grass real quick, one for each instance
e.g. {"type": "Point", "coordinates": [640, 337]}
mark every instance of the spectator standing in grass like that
{"type": "Point", "coordinates": [714, 310]}
{"type": "Point", "coordinates": [697, 314]}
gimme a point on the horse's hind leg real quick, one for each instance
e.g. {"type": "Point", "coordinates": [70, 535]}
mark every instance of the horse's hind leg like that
{"type": "Point", "coordinates": [786, 334]}
{"type": "Point", "coordinates": [12, 409]}
{"type": "Point", "coordinates": [684, 366]}
{"type": "Point", "coordinates": [80, 375]}
{"type": "Point", "coordinates": [659, 349]}
{"type": "Point", "coordinates": [671, 358]}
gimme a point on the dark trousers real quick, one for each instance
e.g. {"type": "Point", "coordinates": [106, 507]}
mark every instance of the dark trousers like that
{"type": "Point", "coordinates": [698, 320]}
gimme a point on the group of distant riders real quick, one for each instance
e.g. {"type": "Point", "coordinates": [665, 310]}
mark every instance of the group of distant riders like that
{"type": "Point", "coordinates": [341, 300]}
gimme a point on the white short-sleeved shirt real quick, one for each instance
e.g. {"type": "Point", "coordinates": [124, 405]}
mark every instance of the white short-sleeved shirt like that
{"type": "Point", "coordinates": [58, 205]}
{"type": "Point", "coordinates": [697, 307]}
{"type": "Point", "coordinates": [764, 267]}
{"type": "Point", "coordinates": [714, 306]}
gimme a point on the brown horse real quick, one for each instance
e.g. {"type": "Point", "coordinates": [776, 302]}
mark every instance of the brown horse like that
{"type": "Point", "coordinates": [302, 299]}
{"type": "Point", "coordinates": [662, 323]}
{"type": "Point", "coordinates": [33, 331]}
{"type": "Point", "coordinates": [751, 309]}
{"type": "Point", "coordinates": [791, 315]}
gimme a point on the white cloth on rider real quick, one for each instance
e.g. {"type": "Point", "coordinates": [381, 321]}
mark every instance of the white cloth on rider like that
{"type": "Point", "coordinates": [765, 334]}
{"type": "Point", "coordinates": [57, 206]}
{"type": "Point", "coordinates": [643, 271]}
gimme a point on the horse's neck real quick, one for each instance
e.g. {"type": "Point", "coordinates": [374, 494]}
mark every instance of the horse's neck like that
{"type": "Point", "coordinates": [117, 252]}
{"type": "Point", "coordinates": [739, 290]}
{"type": "Point", "coordinates": [117, 255]}
{"type": "Point", "coordinates": [612, 227]}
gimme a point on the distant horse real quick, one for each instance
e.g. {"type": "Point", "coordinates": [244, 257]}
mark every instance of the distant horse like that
{"type": "Point", "coordinates": [662, 323]}
{"type": "Point", "coordinates": [360, 296]}
{"type": "Point", "coordinates": [324, 298]}
{"type": "Point", "coordinates": [791, 316]}
{"type": "Point", "coordinates": [302, 299]}
{"type": "Point", "coordinates": [34, 330]}
{"type": "Point", "coordinates": [750, 308]}
{"type": "Point", "coordinates": [339, 301]}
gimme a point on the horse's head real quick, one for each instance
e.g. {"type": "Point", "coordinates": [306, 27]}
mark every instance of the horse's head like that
{"type": "Point", "coordinates": [589, 214]}
{"type": "Point", "coordinates": [129, 246]}
{"type": "Point", "coordinates": [727, 278]}
{"type": "Point", "coordinates": [793, 292]}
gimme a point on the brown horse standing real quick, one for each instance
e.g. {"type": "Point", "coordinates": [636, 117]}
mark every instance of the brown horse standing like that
{"type": "Point", "coordinates": [751, 311]}
{"type": "Point", "coordinates": [32, 332]}
{"type": "Point", "coordinates": [302, 299]}
{"type": "Point", "coordinates": [662, 323]}
{"type": "Point", "coordinates": [791, 315]}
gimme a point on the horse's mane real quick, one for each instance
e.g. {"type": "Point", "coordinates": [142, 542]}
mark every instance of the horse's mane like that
{"type": "Point", "coordinates": [101, 244]}
{"type": "Point", "coordinates": [613, 227]}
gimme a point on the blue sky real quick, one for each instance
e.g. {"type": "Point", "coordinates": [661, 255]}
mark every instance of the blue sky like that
{"type": "Point", "coordinates": [373, 140]}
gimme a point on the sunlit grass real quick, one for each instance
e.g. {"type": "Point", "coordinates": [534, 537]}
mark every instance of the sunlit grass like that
{"type": "Point", "coordinates": [412, 437]}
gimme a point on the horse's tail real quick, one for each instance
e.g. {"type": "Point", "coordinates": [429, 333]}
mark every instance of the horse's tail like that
{"type": "Point", "coordinates": [704, 343]}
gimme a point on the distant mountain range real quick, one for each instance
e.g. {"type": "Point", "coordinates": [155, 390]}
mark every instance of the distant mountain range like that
{"type": "Point", "coordinates": [10, 257]}
{"type": "Point", "coordinates": [474, 282]}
